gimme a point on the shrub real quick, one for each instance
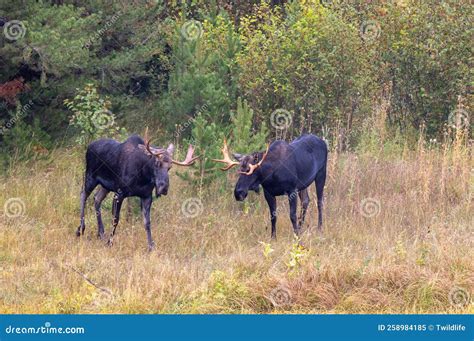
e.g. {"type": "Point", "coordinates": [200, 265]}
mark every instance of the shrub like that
{"type": "Point", "coordinates": [91, 115]}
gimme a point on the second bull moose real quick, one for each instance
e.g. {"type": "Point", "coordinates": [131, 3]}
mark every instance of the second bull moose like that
{"type": "Point", "coordinates": [283, 169]}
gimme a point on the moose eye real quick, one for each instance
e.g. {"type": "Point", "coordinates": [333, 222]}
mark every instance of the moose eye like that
{"type": "Point", "coordinates": [245, 168]}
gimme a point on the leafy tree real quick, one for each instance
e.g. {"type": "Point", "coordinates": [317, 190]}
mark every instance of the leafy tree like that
{"type": "Point", "coordinates": [307, 62]}
{"type": "Point", "coordinates": [92, 115]}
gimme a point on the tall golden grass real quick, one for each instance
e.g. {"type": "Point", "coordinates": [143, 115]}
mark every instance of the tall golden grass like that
{"type": "Point", "coordinates": [398, 238]}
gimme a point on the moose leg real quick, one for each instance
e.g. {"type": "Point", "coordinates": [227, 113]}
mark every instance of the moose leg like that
{"type": "Point", "coordinates": [146, 208]}
{"type": "Point", "coordinates": [89, 185]}
{"type": "Point", "coordinates": [116, 206]}
{"type": "Point", "coordinates": [304, 197]}
{"type": "Point", "coordinates": [272, 205]}
{"type": "Point", "coordinates": [320, 182]}
{"type": "Point", "coordinates": [98, 198]}
{"type": "Point", "coordinates": [293, 201]}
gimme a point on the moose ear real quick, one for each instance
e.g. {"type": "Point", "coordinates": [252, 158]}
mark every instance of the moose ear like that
{"type": "Point", "coordinates": [237, 156]}
{"type": "Point", "coordinates": [170, 149]}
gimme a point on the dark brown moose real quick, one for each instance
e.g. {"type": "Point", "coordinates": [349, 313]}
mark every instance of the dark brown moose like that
{"type": "Point", "coordinates": [129, 169]}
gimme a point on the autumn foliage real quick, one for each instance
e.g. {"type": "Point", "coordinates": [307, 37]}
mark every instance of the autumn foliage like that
{"type": "Point", "coordinates": [10, 90]}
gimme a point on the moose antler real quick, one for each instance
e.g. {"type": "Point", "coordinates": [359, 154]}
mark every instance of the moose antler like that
{"type": "Point", "coordinates": [227, 160]}
{"type": "Point", "coordinates": [154, 151]}
{"type": "Point", "coordinates": [254, 167]}
{"type": "Point", "coordinates": [189, 160]}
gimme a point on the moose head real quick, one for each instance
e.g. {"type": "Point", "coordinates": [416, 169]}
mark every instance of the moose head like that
{"type": "Point", "coordinates": [163, 160]}
{"type": "Point", "coordinates": [249, 170]}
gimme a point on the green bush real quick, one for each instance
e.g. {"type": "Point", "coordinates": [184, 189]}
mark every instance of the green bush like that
{"type": "Point", "coordinates": [91, 115]}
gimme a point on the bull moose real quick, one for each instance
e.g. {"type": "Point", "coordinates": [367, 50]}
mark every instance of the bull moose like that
{"type": "Point", "coordinates": [283, 169]}
{"type": "Point", "coordinates": [132, 168]}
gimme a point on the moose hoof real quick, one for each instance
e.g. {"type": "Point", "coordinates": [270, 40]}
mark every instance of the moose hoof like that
{"type": "Point", "coordinates": [151, 247]}
{"type": "Point", "coordinates": [110, 242]}
{"type": "Point", "coordinates": [78, 233]}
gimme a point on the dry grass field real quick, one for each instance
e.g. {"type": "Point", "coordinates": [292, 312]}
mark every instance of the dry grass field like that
{"type": "Point", "coordinates": [398, 238]}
